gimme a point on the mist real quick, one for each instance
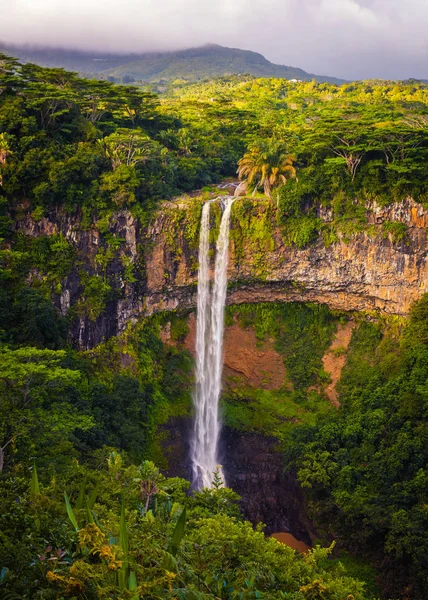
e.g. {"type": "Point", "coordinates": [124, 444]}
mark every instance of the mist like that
{"type": "Point", "coordinates": [352, 39]}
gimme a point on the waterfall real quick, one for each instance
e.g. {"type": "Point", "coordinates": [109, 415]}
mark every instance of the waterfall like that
{"type": "Point", "coordinates": [209, 348]}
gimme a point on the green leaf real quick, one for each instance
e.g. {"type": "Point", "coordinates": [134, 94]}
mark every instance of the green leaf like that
{"type": "Point", "coordinates": [123, 533]}
{"type": "Point", "coordinates": [70, 512]}
{"type": "Point", "coordinates": [89, 514]}
{"type": "Point", "coordinates": [132, 583]}
{"type": "Point", "coordinates": [93, 496]}
{"type": "Point", "coordinates": [169, 562]}
{"type": "Point", "coordinates": [178, 534]}
{"type": "Point", "coordinates": [123, 544]}
{"type": "Point", "coordinates": [34, 487]}
{"type": "Point", "coordinates": [80, 503]}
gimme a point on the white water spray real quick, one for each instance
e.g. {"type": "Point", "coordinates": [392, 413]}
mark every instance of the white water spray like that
{"type": "Point", "coordinates": [209, 348]}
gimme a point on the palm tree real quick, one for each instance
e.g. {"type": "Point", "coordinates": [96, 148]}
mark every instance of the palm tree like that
{"type": "Point", "coordinates": [267, 164]}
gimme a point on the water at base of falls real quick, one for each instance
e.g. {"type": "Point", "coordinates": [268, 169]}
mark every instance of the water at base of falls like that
{"type": "Point", "coordinates": [209, 348]}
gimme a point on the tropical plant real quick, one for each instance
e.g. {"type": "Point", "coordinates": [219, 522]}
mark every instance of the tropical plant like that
{"type": "Point", "coordinates": [114, 548]}
{"type": "Point", "coordinates": [125, 147]}
{"type": "Point", "coordinates": [267, 164]}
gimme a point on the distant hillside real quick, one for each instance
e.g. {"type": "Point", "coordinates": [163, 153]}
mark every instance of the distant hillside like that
{"type": "Point", "coordinates": [193, 64]}
{"type": "Point", "coordinates": [85, 63]}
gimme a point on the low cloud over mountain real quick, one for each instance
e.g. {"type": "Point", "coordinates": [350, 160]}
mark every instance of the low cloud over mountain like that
{"type": "Point", "coordinates": [352, 39]}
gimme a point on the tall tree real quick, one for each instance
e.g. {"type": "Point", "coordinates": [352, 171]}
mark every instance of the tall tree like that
{"type": "Point", "coordinates": [32, 397]}
{"type": "Point", "coordinates": [127, 147]}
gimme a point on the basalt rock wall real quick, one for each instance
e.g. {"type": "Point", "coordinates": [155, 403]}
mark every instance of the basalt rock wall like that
{"type": "Point", "coordinates": [366, 271]}
{"type": "Point", "coordinates": [254, 469]}
{"type": "Point", "coordinates": [127, 298]}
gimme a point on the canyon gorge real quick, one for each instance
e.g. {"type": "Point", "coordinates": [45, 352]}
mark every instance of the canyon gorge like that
{"type": "Point", "coordinates": [365, 272]}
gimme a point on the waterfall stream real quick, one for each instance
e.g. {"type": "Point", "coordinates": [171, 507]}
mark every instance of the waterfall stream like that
{"type": "Point", "coordinates": [209, 347]}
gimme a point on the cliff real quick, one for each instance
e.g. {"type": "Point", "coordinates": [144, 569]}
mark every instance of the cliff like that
{"type": "Point", "coordinates": [154, 269]}
{"type": "Point", "coordinates": [150, 269]}
{"type": "Point", "coordinates": [255, 471]}
{"type": "Point", "coordinates": [363, 272]}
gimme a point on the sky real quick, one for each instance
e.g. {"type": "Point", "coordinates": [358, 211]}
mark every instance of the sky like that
{"type": "Point", "coordinates": [352, 39]}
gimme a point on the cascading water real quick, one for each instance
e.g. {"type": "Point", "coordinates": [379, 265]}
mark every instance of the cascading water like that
{"type": "Point", "coordinates": [209, 348]}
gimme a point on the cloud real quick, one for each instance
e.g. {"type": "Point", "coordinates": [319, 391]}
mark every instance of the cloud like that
{"type": "Point", "coordinates": [346, 11]}
{"type": "Point", "coordinates": [346, 38]}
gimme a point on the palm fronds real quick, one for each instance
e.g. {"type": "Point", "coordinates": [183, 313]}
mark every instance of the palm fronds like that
{"type": "Point", "coordinates": [267, 164]}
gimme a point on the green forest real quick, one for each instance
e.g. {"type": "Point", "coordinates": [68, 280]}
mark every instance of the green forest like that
{"type": "Point", "coordinates": [86, 511]}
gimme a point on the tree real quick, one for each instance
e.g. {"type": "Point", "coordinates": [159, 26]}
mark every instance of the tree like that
{"type": "Point", "coordinates": [10, 82]}
{"type": "Point", "coordinates": [138, 106]}
{"type": "Point", "coordinates": [4, 152]}
{"type": "Point", "coordinates": [127, 147]}
{"type": "Point", "coordinates": [32, 396]}
{"type": "Point", "coordinates": [51, 94]}
{"type": "Point", "coordinates": [346, 135]}
{"type": "Point", "coordinates": [267, 164]}
{"type": "Point", "coordinates": [97, 98]}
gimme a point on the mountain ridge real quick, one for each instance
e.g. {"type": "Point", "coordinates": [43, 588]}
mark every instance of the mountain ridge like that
{"type": "Point", "coordinates": [191, 64]}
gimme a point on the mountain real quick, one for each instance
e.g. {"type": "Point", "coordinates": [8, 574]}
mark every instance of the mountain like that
{"type": "Point", "coordinates": [192, 64]}
{"type": "Point", "coordinates": [207, 62]}
{"type": "Point", "coordinates": [86, 63]}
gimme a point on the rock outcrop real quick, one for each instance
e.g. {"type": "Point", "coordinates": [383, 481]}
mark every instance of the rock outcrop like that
{"type": "Point", "coordinates": [368, 271]}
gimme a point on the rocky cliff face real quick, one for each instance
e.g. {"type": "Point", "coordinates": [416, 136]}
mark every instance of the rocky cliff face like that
{"type": "Point", "coordinates": [127, 298]}
{"type": "Point", "coordinates": [368, 271]}
{"type": "Point", "coordinates": [254, 469]}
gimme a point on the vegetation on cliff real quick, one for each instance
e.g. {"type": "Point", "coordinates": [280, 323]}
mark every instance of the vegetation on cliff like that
{"type": "Point", "coordinates": [365, 467]}
{"type": "Point", "coordinates": [367, 139]}
{"type": "Point", "coordinates": [94, 146]}
{"type": "Point", "coordinates": [301, 334]}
